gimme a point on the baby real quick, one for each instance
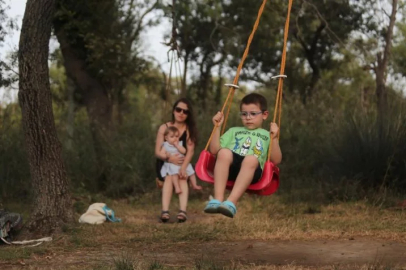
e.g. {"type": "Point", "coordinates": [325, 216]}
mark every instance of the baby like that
{"type": "Point", "coordinates": [169, 170]}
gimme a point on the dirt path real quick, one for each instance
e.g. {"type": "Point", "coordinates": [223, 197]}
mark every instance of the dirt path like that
{"type": "Point", "coordinates": [307, 253]}
{"type": "Point", "coordinates": [316, 253]}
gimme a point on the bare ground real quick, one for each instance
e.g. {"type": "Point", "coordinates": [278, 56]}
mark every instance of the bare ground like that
{"type": "Point", "coordinates": [315, 254]}
{"type": "Point", "coordinates": [339, 237]}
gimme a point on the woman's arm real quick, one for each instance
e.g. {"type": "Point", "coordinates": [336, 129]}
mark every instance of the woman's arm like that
{"type": "Point", "coordinates": [158, 143]}
{"type": "Point", "coordinates": [188, 158]}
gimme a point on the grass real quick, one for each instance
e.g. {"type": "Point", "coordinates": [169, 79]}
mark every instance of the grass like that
{"type": "Point", "coordinates": [141, 242]}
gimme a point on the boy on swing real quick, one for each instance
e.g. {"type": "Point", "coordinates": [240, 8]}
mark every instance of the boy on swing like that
{"type": "Point", "coordinates": [241, 153]}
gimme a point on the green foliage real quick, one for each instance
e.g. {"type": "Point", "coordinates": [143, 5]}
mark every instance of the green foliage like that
{"type": "Point", "coordinates": [332, 146]}
{"type": "Point", "coordinates": [14, 169]}
{"type": "Point", "coordinates": [399, 51]}
{"type": "Point", "coordinates": [105, 35]}
{"type": "Point", "coordinates": [7, 25]}
{"type": "Point", "coordinates": [130, 156]}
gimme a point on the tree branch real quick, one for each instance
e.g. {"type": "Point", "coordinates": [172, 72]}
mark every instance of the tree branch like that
{"type": "Point", "coordinates": [389, 34]}
{"type": "Point", "coordinates": [139, 25]}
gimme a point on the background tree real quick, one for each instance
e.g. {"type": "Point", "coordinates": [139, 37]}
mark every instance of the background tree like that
{"type": "Point", "coordinates": [99, 44]}
{"type": "Point", "coordinates": [52, 206]}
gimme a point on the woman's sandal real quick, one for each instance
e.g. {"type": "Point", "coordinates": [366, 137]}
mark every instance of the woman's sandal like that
{"type": "Point", "coordinates": [165, 216]}
{"type": "Point", "coordinates": [182, 217]}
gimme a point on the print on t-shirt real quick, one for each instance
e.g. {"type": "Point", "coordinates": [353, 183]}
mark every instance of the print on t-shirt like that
{"type": "Point", "coordinates": [243, 142]}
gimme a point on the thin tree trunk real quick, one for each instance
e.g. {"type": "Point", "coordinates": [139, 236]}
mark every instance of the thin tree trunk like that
{"type": "Point", "coordinates": [70, 121]}
{"type": "Point", "coordinates": [98, 105]}
{"type": "Point", "coordinates": [217, 97]}
{"type": "Point", "coordinates": [52, 206]}
{"type": "Point", "coordinates": [185, 70]}
{"type": "Point", "coordinates": [382, 65]}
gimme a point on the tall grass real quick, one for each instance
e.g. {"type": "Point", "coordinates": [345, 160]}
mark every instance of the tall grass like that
{"type": "Point", "coordinates": [370, 151]}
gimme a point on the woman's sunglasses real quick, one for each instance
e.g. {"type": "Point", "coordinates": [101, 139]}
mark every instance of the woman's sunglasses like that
{"type": "Point", "coordinates": [178, 110]}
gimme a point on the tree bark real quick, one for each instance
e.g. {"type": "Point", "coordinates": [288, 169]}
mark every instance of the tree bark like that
{"type": "Point", "coordinates": [185, 70]}
{"type": "Point", "coordinates": [52, 206]}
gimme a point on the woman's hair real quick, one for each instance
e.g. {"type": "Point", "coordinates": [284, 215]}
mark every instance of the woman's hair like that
{"type": "Point", "coordinates": [171, 129]}
{"type": "Point", "coordinates": [190, 119]}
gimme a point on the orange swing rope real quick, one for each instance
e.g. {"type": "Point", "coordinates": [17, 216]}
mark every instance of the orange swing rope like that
{"type": "Point", "coordinates": [278, 103]}
{"type": "Point", "coordinates": [235, 82]}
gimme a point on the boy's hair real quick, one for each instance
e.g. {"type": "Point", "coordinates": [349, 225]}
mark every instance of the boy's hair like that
{"type": "Point", "coordinates": [257, 99]}
{"type": "Point", "coordinates": [171, 129]}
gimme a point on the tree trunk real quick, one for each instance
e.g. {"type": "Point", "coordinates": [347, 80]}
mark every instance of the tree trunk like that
{"type": "Point", "coordinates": [381, 92]}
{"type": "Point", "coordinates": [217, 97]}
{"type": "Point", "coordinates": [70, 121]}
{"type": "Point", "coordinates": [382, 65]}
{"type": "Point", "coordinates": [185, 70]}
{"type": "Point", "coordinates": [98, 105]}
{"type": "Point", "coordinates": [311, 56]}
{"type": "Point", "coordinates": [52, 206]}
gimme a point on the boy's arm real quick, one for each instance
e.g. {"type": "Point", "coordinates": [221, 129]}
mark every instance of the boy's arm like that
{"type": "Point", "coordinates": [276, 153]}
{"type": "Point", "coordinates": [215, 140]}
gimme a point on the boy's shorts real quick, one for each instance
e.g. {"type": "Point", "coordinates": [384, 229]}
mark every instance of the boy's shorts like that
{"type": "Point", "coordinates": [236, 166]}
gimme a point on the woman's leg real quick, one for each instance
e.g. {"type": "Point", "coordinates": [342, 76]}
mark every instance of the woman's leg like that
{"type": "Point", "coordinates": [183, 197]}
{"type": "Point", "coordinates": [221, 172]}
{"type": "Point", "coordinates": [167, 190]}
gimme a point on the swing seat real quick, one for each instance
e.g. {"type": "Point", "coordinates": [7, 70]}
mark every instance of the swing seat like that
{"type": "Point", "coordinates": [267, 185]}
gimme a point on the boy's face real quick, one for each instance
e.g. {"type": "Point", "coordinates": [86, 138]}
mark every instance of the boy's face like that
{"type": "Point", "coordinates": [252, 116]}
{"type": "Point", "coordinates": [172, 137]}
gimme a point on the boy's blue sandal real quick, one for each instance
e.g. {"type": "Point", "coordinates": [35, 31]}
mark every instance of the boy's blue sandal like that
{"type": "Point", "coordinates": [227, 208]}
{"type": "Point", "coordinates": [212, 206]}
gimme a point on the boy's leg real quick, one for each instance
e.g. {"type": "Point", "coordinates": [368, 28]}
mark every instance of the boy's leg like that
{"type": "Point", "coordinates": [221, 172]}
{"type": "Point", "coordinates": [175, 181]}
{"type": "Point", "coordinates": [193, 181]}
{"type": "Point", "coordinates": [244, 178]}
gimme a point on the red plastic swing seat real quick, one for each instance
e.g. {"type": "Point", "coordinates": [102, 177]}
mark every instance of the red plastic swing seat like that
{"type": "Point", "coordinates": [267, 185]}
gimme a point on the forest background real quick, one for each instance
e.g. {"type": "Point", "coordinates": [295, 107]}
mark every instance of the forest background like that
{"type": "Point", "coordinates": [343, 125]}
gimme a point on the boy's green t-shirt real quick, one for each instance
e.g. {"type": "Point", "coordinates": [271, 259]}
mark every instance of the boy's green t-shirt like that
{"type": "Point", "coordinates": [243, 141]}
